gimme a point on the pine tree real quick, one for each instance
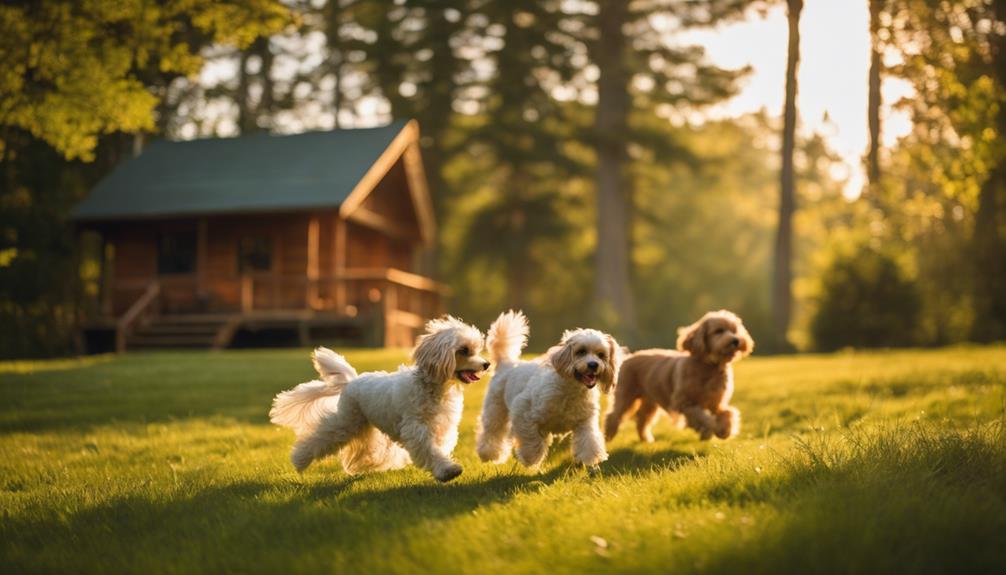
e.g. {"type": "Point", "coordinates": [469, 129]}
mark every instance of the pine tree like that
{"type": "Point", "coordinates": [782, 294]}
{"type": "Point", "coordinates": [874, 103]}
{"type": "Point", "coordinates": [640, 70]}
{"type": "Point", "coordinates": [520, 130]}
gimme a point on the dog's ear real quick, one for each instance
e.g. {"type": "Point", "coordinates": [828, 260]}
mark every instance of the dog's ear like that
{"type": "Point", "coordinates": [693, 339]}
{"type": "Point", "coordinates": [610, 375]}
{"type": "Point", "coordinates": [434, 354]}
{"type": "Point", "coordinates": [747, 342]}
{"type": "Point", "coordinates": [561, 357]}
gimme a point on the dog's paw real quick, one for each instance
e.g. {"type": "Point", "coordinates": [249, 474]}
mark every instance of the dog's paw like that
{"type": "Point", "coordinates": [300, 460]}
{"type": "Point", "coordinates": [728, 424]}
{"type": "Point", "coordinates": [448, 473]}
{"type": "Point", "coordinates": [706, 434]}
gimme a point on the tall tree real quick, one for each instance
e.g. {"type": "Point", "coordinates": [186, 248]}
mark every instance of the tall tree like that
{"type": "Point", "coordinates": [782, 295]}
{"type": "Point", "coordinates": [520, 132]}
{"type": "Point", "coordinates": [874, 102]}
{"type": "Point", "coordinates": [256, 94]}
{"type": "Point", "coordinates": [642, 72]}
{"type": "Point", "coordinates": [413, 64]}
{"type": "Point", "coordinates": [614, 203]}
{"type": "Point", "coordinates": [990, 237]}
{"type": "Point", "coordinates": [954, 56]}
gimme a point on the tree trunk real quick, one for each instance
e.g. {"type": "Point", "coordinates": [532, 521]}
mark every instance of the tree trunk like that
{"type": "Point", "coordinates": [517, 252]}
{"type": "Point", "coordinates": [249, 113]}
{"type": "Point", "coordinates": [990, 260]}
{"type": "Point", "coordinates": [782, 295]}
{"type": "Point", "coordinates": [333, 35]}
{"type": "Point", "coordinates": [990, 251]}
{"type": "Point", "coordinates": [246, 116]}
{"type": "Point", "coordinates": [267, 104]}
{"type": "Point", "coordinates": [337, 90]}
{"type": "Point", "coordinates": [873, 106]}
{"type": "Point", "coordinates": [613, 257]}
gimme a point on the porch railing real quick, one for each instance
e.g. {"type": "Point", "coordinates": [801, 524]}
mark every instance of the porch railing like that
{"type": "Point", "coordinates": [139, 312]}
{"type": "Point", "coordinates": [399, 301]}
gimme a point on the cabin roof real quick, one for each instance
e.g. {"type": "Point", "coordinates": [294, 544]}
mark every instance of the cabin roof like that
{"type": "Point", "coordinates": [254, 173]}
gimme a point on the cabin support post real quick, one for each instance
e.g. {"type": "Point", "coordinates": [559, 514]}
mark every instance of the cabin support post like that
{"type": "Point", "coordinates": [202, 229]}
{"type": "Point", "coordinates": [247, 293]}
{"type": "Point", "coordinates": [107, 275]}
{"type": "Point", "coordinates": [390, 313]}
{"type": "Point", "coordinates": [339, 263]}
{"type": "Point", "coordinates": [304, 333]}
{"type": "Point", "coordinates": [313, 245]}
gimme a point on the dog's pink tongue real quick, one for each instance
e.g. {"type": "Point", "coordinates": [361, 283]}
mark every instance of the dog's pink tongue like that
{"type": "Point", "coordinates": [469, 376]}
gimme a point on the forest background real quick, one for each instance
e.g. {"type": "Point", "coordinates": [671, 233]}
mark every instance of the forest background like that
{"type": "Point", "coordinates": [577, 170]}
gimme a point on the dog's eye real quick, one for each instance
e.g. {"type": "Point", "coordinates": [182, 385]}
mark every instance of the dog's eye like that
{"type": "Point", "coordinates": [581, 351]}
{"type": "Point", "coordinates": [464, 351]}
{"type": "Point", "coordinates": [600, 356]}
{"type": "Point", "coordinates": [719, 330]}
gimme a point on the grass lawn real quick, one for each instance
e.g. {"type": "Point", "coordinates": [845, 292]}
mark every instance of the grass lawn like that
{"type": "Point", "coordinates": [156, 463]}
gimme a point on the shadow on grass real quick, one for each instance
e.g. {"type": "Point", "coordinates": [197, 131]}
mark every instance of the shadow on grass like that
{"type": "Point", "coordinates": [906, 501]}
{"type": "Point", "coordinates": [147, 388]}
{"type": "Point", "coordinates": [628, 460]}
{"type": "Point", "coordinates": [254, 525]}
{"type": "Point", "coordinates": [249, 526]}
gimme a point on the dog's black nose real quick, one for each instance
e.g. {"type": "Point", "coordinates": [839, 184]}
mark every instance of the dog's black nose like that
{"type": "Point", "coordinates": [485, 365]}
{"type": "Point", "coordinates": [735, 341]}
{"type": "Point", "coordinates": [592, 365]}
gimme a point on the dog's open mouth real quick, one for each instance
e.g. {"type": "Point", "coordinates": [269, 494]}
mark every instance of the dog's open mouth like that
{"type": "Point", "coordinates": [588, 379]}
{"type": "Point", "coordinates": [467, 375]}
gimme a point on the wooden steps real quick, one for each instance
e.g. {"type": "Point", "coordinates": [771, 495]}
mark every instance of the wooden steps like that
{"type": "Point", "coordinates": [184, 332]}
{"type": "Point", "coordinates": [217, 331]}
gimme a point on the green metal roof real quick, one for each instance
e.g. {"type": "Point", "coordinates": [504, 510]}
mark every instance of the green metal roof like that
{"type": "Point", "coordinates": [250, 173]}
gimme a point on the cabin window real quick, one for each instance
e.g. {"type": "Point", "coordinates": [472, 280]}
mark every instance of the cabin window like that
{"type": "Point", "coordinates": [176, 253]}
{"type": "Point", "coordinates": [254, 254]}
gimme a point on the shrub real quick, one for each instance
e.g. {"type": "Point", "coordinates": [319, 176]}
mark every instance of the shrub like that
{"type": "Point", "coordinates": [866, 301]}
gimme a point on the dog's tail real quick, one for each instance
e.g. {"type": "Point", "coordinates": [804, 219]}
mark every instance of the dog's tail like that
{"type": "Point", "coordinates": [332, 367]}
{"type": "Point", "coordinates": [507, 337]}
{"type": "Point", "coordinates": [302, 407]}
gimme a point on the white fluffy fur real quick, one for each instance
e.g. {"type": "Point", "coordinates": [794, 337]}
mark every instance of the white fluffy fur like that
{"type": "Point", "coordinates": [379, 421]}
{"type": "Point", "coordinates": [529, 401]}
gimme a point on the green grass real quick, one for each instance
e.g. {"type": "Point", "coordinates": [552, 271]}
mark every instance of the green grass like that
{"type": "Point", "coordinates": [157, 463]}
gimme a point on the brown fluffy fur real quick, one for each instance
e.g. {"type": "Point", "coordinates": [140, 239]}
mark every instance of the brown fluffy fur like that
{"type": "Point", "coordinates": [693, 384]}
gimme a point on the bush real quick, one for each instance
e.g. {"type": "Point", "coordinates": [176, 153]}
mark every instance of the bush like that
{"type": "Point", "coordinates": [866, 301]}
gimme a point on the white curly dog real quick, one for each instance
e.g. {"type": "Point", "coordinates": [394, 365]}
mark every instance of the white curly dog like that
{"type": "Point", "coordinates": [379, 421]}
{"type": "Point", "coordinates": [529, 401]}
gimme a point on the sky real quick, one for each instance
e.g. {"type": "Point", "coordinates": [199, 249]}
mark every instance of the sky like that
{"type": "Point", "coordinates": [832, 80]}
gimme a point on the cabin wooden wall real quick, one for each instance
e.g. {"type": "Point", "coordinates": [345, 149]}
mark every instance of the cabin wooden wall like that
{"type": "Point", "coordinates": [368, 248]}
{"type": "Point", "coordinates": [219, 289]}
{"type": "Point", "coordinates": [382, 232]}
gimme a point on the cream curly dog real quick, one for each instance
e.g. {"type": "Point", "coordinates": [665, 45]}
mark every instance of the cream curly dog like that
{"type": "Point", "coordinates": [529, 401]}
{"type": "Point", "coordinates": [379, 421]}
{"type": "Point", "coordinates": [694, 383]}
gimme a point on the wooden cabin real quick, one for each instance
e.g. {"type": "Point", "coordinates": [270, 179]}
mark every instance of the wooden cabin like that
{"type": "Point", "coordinates": [312, 233]}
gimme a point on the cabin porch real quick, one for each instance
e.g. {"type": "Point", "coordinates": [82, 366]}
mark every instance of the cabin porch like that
{"type": "Point", "coordinates": [377, 306]}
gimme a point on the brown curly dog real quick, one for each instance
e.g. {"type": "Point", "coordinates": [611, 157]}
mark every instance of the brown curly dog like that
{"type": "Point", "coordinates": [693, 384]}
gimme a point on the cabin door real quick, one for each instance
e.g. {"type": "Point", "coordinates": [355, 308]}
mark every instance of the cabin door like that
{"type": "Point", "coordinates": [178, 268]}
